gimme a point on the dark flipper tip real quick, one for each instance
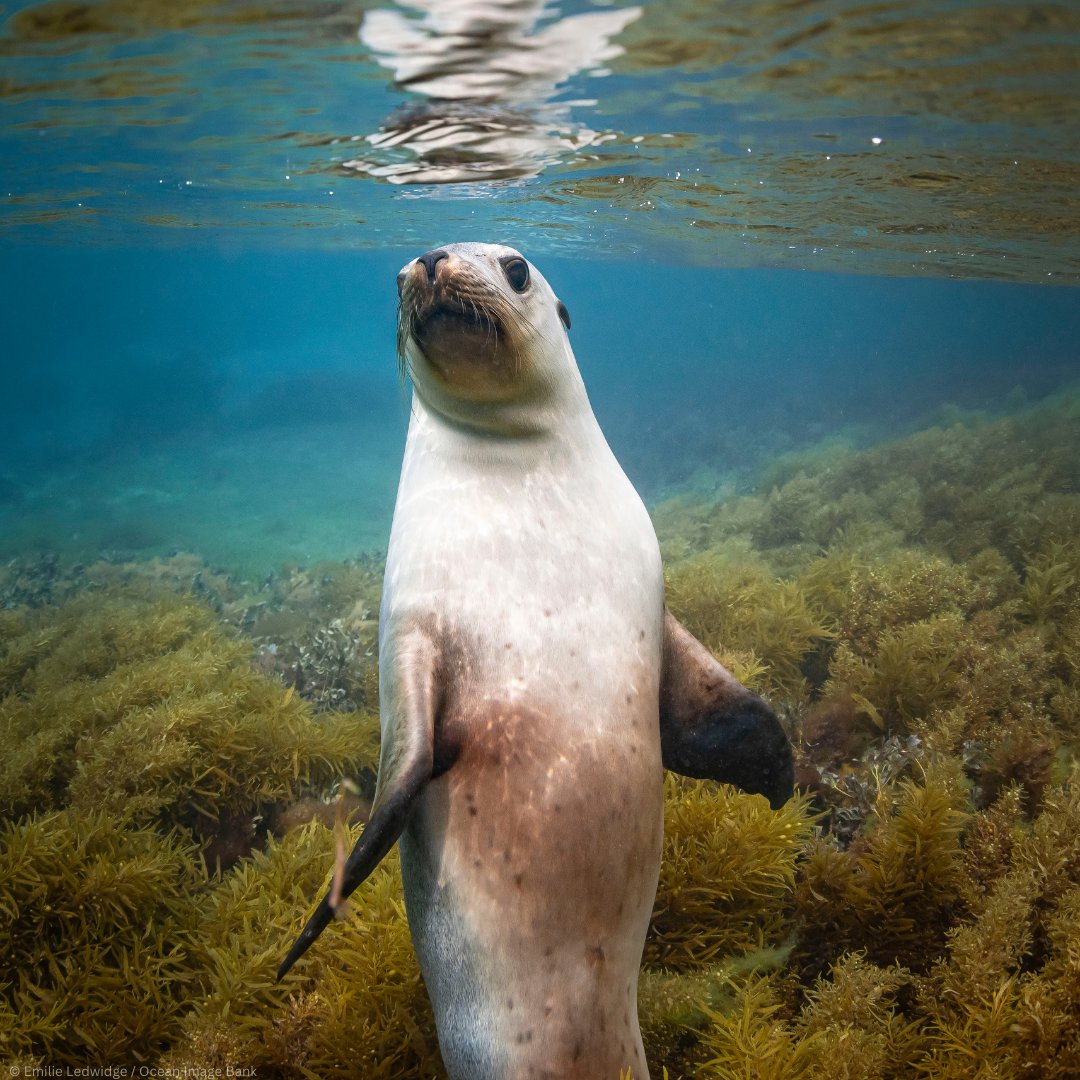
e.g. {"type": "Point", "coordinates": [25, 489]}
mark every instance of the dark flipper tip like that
{"type": "Point", "coordinates": [315, 926]}
{"type": "Point", "coordinates": [745, 746]}
{"type": "Point", "coordinates": [756, 754]}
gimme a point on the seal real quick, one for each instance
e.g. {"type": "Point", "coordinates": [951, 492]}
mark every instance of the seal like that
{"type": "Point", "coordinates": [532, 689]}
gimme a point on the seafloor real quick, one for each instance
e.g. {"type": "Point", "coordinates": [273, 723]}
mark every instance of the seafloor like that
{"type": "Point", "coordinates": [174, 737]}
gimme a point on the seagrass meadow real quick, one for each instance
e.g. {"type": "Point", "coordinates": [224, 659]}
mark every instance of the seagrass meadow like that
{"type": "Point", "coordinates": [175, 739]}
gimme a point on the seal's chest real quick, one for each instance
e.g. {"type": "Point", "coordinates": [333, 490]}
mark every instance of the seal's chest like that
{"type": "Point", "coordinates": [533, 541]}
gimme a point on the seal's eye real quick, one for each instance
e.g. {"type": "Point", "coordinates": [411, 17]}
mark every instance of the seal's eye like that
{"type": "Point", "coordinates": [517, 273]}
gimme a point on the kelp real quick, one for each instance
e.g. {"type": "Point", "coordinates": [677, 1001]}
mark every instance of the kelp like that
{"type": "Point", "coordinates": [142, 704]}
{"type": "Point", "coordinates": [912, 610]}
{"type": "Point", "coordinates": [96, 924]}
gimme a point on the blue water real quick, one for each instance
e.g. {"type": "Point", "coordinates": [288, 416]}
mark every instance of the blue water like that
{"type": "Point", "coordinates": [772, 226]}
{"type": "Point", "coordinates": [249, 407]}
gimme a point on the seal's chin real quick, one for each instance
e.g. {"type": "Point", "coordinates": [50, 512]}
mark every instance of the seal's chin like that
{"type": "Point", "coordinates": [465, 349]}
{"type": "Point", "coordinates": [458, 336]}
{"type": "Point", "coordinates": [447, 333]}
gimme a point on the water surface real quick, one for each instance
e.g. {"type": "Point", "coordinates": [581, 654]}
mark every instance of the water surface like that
{"type": "Point", "coordinates": [773, 224]}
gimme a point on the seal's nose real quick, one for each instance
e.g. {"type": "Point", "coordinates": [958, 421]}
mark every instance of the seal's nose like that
{"type": "Point", "coordinates": [430, 258]}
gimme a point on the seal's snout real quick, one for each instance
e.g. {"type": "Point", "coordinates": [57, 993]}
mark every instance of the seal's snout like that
{"type": "Point", "coordinates": [463, 323]}
{"type": "Point", "coordinates": [430, 259]}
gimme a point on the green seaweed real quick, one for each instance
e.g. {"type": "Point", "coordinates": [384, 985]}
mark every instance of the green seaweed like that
{"type": "Point", "coordinates": [96, 925]}
{"type": "Point", "coordinates": [750, 1039]}
{"type": "Point", "coordinates": [356, 1004]}
{"type": "Point", "coordinates": [760, 626]}
{"type": "Point", "coordinates": [895, 895]}
{"type": "Point", "coordinates": [142, 704]}
{"type": "Point", "coordinates": [913, 612]}
{"type": "Point", "coordinates": [727, 874]}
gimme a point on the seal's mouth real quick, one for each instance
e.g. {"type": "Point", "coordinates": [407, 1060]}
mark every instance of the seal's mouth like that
{"type": "Point", "coordinates": [451, 318]}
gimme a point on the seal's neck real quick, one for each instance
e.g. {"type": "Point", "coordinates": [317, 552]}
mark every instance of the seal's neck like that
{"type": "Point", "coordinates": [554, 424]}
{"type": "Point", "coordinates": [562, 431]}
{"type": "Point", "coordinates": [547, 437]}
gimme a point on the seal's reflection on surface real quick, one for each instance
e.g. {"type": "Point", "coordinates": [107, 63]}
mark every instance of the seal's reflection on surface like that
{"type": "Point", "coordinates": [489, 72]}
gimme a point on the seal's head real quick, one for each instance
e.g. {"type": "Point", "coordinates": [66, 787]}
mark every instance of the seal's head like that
{"type": "Point", "coordinates": [482, 336]}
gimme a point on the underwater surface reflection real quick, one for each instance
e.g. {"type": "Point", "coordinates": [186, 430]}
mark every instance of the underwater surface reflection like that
{"type": "Point", "coordinates": [921, 138]}
{"type": "Point", "coordinates": [489, 75]}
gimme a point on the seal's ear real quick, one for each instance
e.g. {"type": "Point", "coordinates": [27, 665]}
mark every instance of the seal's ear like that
{"type": "Point", "coordinates": [560, 307]}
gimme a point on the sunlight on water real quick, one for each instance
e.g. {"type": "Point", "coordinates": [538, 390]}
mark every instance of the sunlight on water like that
{"type": "Point", "coordinates": [915, 138]}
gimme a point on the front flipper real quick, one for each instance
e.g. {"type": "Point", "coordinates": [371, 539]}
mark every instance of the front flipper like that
{"type": "Point", "coordinates": [406, 763]}
{"type": "Point", "coordinates": [713, 728]}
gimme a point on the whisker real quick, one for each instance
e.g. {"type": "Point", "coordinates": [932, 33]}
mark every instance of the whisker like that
{"type": "Point", "coordinates": [404, 320]}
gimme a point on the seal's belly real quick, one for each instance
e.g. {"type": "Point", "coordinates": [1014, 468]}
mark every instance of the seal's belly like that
{"type": "Point", "coordinates": [530, 865]}
{"type": "Point", "coordinates": [530, 871]}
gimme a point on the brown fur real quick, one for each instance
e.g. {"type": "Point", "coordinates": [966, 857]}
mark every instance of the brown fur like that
{"type": "Point", "coordinates": [543, 835]}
